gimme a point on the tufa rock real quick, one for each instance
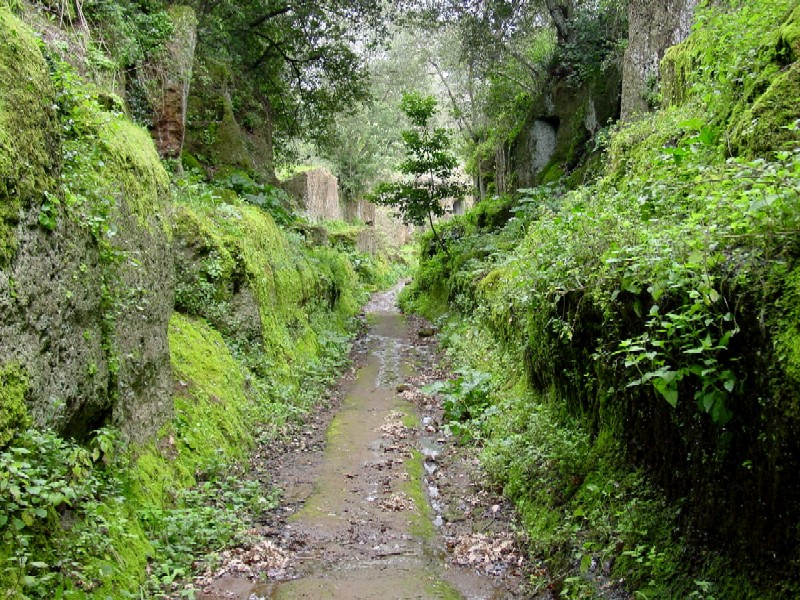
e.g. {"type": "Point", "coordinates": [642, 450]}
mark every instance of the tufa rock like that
{"type": "Point", "coordinates": [83, 312]}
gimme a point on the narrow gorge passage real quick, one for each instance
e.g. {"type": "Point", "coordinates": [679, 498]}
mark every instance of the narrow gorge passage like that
{"type": "Point", "coordinates": [364, 526]}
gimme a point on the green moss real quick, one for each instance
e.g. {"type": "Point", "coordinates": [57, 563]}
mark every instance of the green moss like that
{"type": "Point", "coordinates": [28, 129]}
{"type": "Point", "coordinates": [442, 590]}
{"type": "Point", "coordinates": [133, 171]}
{"type": "Point", "coordinates": [214, 419]}
{"type": "Point", "coordinates": [13, 413]}
{"type": "Point", "coordinates": [213, 414]}
{"type": "Point", "coordinates": [491, 213]}
{"type": "Point", "coordinates": [212, 132]}
{"type": "Point", "coordinates": [126, 567]}
{"type": "Point", "coordinates": [768, 125]}
{"type": "Point", "coordinates": [738, 65]}
{"type": "Point", "coordinates": [190, 162]}
{"type": "Point", "coordinates": [551, 173]}
{"type": "Point", "coordinates": [300, 291]}
{"type": "Point", "coordinates": [677, 66]}
{"type": "Point", "coordinates": [421, 523]}
{"type": "Point", "coordinates": [183, 17]}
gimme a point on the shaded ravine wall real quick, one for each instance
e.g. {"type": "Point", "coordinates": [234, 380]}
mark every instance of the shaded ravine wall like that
{"type": "Point", "coordinates": [556, 138]}
{"type": "Point", "coordinates": [84, 322]}
{"type": "Point", "coordinates": [653, 26]}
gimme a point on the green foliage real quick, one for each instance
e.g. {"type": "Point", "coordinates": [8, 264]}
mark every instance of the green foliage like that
{"type": "Point", "coordinates": [649, 320]}
{"type": "Point", "coordinates": [465, 400]}
{"type": "Point", "coordinates": [365, 143]}
{"type": "Point", "coordinates": [54, 523]}
{"type": "Point", "coordinates": [267, 197]}
{"type": "Point", "coordinates": [737, 64]}
{"type": "Point", "coordinates": [301, 74]}
{"type": "Point", "coordinates": [203, 521]}
{"type": "Point", "coordinates": [596, 41]}
{"type": "Point", "coordinates": [429, 166]}
{"type": "Point", "coordinates": [132, 31]}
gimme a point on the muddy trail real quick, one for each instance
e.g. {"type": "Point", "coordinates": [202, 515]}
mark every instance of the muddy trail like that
{"type": "Point", "coordinates": [378, 502]}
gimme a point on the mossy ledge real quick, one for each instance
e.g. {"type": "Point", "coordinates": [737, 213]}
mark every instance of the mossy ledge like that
{"type": "Point", "coordinates": [28, 138]}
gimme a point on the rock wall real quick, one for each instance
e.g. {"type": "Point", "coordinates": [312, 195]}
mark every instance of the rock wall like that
{"type": "Point", "coordinates": [554, 139]}
{"type": "Point", "coordinates": [85, 267]}
{"type": "Point", "coordinates": [391, 229]}
{"type": "Point", "coordinates": [317, 192]}
{"type": "Point", "coordinates": [653, 26]}
{"type": "Point", "coordinates": [227, 126]}
{"type": "Point", "coordinates": [359, 210]}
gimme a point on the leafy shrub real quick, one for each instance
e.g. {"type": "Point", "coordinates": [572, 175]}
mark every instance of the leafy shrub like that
{"type": "Point", "coordinates": [203, 521]}
{"type": "Point", "coordinates": [465, 400]}
{"type": "Point", "coordinates": [267, 197]}
{"type": "Point", "coordinates": [55, 490]}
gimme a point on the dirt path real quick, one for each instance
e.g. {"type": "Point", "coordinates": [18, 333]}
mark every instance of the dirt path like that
{"type": "Point", "coordinates": [372, 515]}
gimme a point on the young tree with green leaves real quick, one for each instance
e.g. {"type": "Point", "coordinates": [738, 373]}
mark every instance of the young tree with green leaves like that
{"type": "Point", "coordinates": [428, 170]}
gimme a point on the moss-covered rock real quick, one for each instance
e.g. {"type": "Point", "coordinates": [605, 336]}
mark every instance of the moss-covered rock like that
{"type": "Point", "coordinates": [13, 414]}
{"type": "Point", "coordinates": [29, 145]}
{"type": "Point", "coordinates": [555, 139]}
{"type": "Point", "coordinates": [236, 268]}
{"type": "Point", "coordinates": [787, 338]}
{"type": "Point", "coordinates": [214, 414]}
{"type": "Point", "coordinates": [228, 126]}
{"type": "Point", "coordinates": [752, 98]}
{"type": "Point", "coordinates": [87, 293]}
{"type": "Point", "coordinates": [771, 123]}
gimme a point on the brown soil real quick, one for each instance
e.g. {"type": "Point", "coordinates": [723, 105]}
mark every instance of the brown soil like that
{"type": "Point", "coordinates": [378, 502]}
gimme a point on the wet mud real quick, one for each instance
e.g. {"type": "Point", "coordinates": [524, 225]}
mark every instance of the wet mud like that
{"type": "Point", "coordinates": [381, 505]}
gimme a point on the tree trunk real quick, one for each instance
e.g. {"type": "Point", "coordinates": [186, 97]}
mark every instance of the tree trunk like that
{"type": "Point", "coordinates": [561, 13]}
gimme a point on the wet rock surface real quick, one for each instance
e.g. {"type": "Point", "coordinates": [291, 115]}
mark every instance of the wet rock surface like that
{"type": "Point", "coordinates": [378, 502]}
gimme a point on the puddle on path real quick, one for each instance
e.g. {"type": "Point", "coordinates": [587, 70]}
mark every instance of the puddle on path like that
{"type": "Point", "coordinates": [367, 528]}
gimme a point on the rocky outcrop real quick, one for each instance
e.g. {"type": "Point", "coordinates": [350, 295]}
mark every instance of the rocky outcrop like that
{"type": "Point", "coordinates": [653, 26]}
{"type": "Point", "coordinates": [167, 82]}
{"type": "Point", "coordinates": [85, 280]}
{"type": "Point", "coordinates": [359, 210]}
{"type": "Point", "coordinates": [317, 193]}
{"type": "Point", "coordinates": [554, 139]}
{"type": "Point", "coordinates": [391, 229]}
{"type": "Point", "coordinates": [228, 126]}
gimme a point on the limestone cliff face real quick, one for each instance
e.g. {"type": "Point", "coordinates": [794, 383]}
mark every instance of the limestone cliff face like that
{"type": "Point", "coordinates": [86, 269]}
{"type": "Point", "coordinates": [654, 26]}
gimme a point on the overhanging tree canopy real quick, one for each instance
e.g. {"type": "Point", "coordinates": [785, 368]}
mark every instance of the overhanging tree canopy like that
{"type": "Point", "coordinates": [302, 56]}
